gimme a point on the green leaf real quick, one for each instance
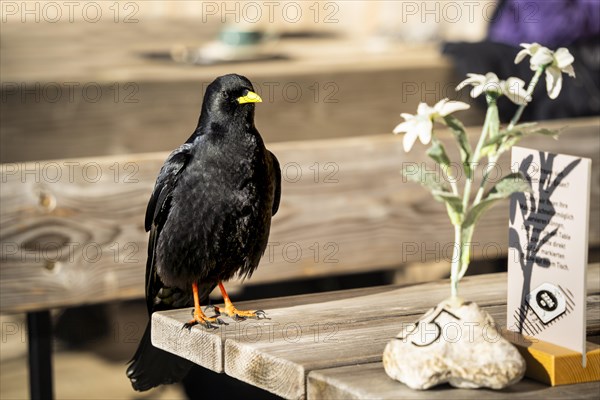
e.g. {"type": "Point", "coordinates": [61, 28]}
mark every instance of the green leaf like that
{"type": "Point", "coordinates": [508, 185]}
{"type": "Point", "coordinates": [458, 130]}
{"type": "Point", "coordinates": [454, 206]}
{"type": "Point", "coordinates": [434, 183]}
{"type": "Point", "coordinates": [512, 137]}
{"type": "Point", "coordinates": [517, 131]}
{"type": "Point", "coordinates": [524, 126]}
{"type": "Point", "coordinates": [429, 179]}
{"type": "Point", "coordinates": [451, 200]}
{"type": "Point", "coordinates": [553, 133]}
{"type": "Point", "coordinates": [494, 121]}
{"type": "Point", "coordinates": [490, 146]}
{"type": "Point", "coordinates": [455, 217]}
{"type": "Point", "coordinates": [438, 153]}
{"type": "Point", "coordinates": [494, 140]}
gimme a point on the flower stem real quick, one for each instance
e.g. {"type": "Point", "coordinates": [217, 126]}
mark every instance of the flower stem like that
{"type": "Point", "coordinates": [532, 85]}
{"type": "Point", "coordinates": [461, 256]}
{"type": "Point", "coordinates": [456, 257]}
{"type": "Point", "coordinates": [451, 178]}
{"type": "Point", "coordinates": [492, 160]}
{"type": "Point", "coordinates": [476, 154]}
{"type": "Point", "coordinates": [466, 236]}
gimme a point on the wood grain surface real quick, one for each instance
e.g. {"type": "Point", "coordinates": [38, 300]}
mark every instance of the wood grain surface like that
{"type": "Point", "coordinates": [66, 98]}
{"type": "Point", "coordinates": [369, 381]}
{"type": "Point", "coordinates": [71, 230]}
{"type": "Point", "coordinates": [278, 354]}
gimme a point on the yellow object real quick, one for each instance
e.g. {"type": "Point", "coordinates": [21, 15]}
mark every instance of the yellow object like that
{"type": "Point", "coordinates": [556, 365]}
{"type": "Point", "coordinates": [250, 97]}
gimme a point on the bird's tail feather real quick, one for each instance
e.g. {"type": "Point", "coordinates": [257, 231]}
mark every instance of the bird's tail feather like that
{"type": "Point", "coordinates": [151, 366]}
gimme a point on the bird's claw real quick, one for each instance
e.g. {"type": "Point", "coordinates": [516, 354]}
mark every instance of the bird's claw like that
{"type": "Point", "coordinates": [198, 318]}
{"type": "Point", "coordinates": [205, 324]}
{"type": "Point", "coordinates": [260, 314]}
{"type": "Point", "coordinates": [244, 315]}
{"type": "Point", "coordinates": [238, 315]}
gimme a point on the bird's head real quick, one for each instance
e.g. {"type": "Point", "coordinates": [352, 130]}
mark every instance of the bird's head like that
{"type": "Point", "coordinates": [228, 98]}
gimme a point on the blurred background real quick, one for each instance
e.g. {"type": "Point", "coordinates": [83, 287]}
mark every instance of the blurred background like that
{"type": "Point", "coordinates": [106, 78]}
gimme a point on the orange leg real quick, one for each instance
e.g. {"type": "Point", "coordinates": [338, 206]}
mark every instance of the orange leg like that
{"type": "Point", "coordinates": [199, 316]}
{"type": "Point", "coordinates": [233, 312]}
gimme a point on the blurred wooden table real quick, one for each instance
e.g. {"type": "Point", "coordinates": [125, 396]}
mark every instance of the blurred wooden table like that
{"type": "Point", "coordinates": [330, 345]}
{"type": "Point", "coordinates": [85, 90]}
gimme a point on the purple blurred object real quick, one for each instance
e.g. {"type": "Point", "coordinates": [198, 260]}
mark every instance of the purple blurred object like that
{"type": "Point", "coordinates": [552, 23]}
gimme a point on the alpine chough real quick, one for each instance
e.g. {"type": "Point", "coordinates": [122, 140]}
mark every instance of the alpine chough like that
{"type": "Point", "coordinates": [209, 218]}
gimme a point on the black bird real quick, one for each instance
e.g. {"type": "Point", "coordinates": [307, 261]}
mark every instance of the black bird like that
{"type": "Point", "coordinates": [209, 218]}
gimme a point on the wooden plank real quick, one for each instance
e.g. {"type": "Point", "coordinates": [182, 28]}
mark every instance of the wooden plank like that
{"type": "Point", "coordinates": [277, 354]}
{"type": "Point", "coordinates": [96, 105]}
{"type": "Point", "coordinates": [39, 53]}
{"type": "Point", "coordinates": [72, 229]}
{"type": "Point", "coordinates": [280, 364]}
{"type": "Point", "coordinates": [148, 110]}
{"type": "Point", "coordinates": [369, 381]}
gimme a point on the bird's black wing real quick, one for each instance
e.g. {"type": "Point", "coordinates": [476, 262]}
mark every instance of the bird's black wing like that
{"type": "Point", "coordinates": [158, 211]}
{"type": "Point", "coordinates": [165, 183]}
{"type": "Point", "coordinates": [277, 177]}
{"type": "Point", "coordinates": [151, 366]}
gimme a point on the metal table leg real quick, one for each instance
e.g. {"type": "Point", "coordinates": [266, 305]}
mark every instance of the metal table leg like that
{"type": "Point", "coordinates": [39, 327]}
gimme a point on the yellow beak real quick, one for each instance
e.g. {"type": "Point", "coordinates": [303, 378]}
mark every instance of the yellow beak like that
{"type": "Point", "coordinates": [250, 97]}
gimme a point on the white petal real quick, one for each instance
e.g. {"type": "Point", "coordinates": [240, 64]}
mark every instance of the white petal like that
{"type": "Point", "coordinates": [451, 107]}
{"type": "Point", "coordinates": [405, 126]}
{"type": "Point", "coordinates": [477, 90]}
{"type": "Point", "coordinates": [491, 77]}
{"type": "Point", "coordinates": [515, 98]}
{"type": "Point", "coordinates": [407, 116]}
{"type": "Point", "coordinates": [514, 89]}
{"type": "Point", "coordinates": [521, 55]}
{"type": "Point", "coordinates": [531, 47]}
{"type": "Point", "coordinates": [440, 105]}
{"type": "Point", "coordinates": [563, 58]}
{"type": "Point", "coordinates": [478, 78]}
{"type": "Point", "coordinates": [527, 46]}
{"type": "Point", "coordinates": [472, 75]}
{"type": "Point", "coordinates": [473, 79]}
{"type": "Point", "coordinates": [515, 82]}
{"type": "Point", "coordinates": [424, 109]}
{"type": "Point", "coordinates": [542, 56]}
{"type": "Point", "coordinates": [569, 70]}
{"type": "Point", "coordinates": [515, 85]}
{"type": "Point", "coordinates": [409, 139]}
{"type": "Point", "coordinates": [553, 81]}
{"type": "Point", "coordinates": [424, 129]}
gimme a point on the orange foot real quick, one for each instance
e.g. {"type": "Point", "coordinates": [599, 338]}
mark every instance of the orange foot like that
{"type": "Point", "coordinates": [199, 316]}
{"type": "Point", "coordinates": [239, 315]}
{"type": "Point", "coordinates": [231, 311]}
{"type": "Point", "coordinates": [201, 319]}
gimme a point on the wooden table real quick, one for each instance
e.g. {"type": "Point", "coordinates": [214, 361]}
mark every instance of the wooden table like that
{"type": "Point", "coordinates": [330, 345]}
{"type": "Point", "coordinates": [321, 87]}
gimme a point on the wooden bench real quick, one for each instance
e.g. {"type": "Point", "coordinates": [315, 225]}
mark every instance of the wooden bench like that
{"type": "Point", "coordinates": [115, 100]}
{"type": "Point", "coordinates": [71, 230]}
{"type": "Point", "coordinates": [330, 346]}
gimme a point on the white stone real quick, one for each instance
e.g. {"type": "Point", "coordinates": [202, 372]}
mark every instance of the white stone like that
{"type": "Point", "coordinates": [455, 342]}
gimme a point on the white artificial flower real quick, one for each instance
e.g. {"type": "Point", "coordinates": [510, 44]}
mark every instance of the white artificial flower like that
{"type": "Point", "coordinates": [540, 55]}
{"type": "Point", "coordinates": [556, 62]}
{"type": "Point", "coordinates": [513, 88]}
{"type": "Point", "coordinates": [421, 125]}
